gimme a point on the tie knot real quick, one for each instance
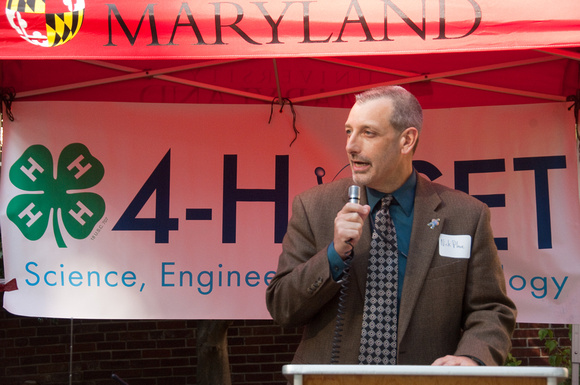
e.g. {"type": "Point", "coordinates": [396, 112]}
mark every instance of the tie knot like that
{"type": "Point", "coordinates": [386, 201]}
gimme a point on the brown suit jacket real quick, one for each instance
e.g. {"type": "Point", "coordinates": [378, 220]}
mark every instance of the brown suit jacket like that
{"type": "Point", "coordinates": [448, 305]}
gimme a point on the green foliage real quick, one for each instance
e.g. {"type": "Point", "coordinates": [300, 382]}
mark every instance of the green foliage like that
{"type": "Point", "coordinates": [558, 356]}
{"type": "Point", "coordinates": [512, 361]}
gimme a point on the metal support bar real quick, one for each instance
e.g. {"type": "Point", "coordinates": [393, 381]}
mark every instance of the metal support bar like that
{"type": "Point", "coordinates": [158, 74]}
{"type": "Point", "coordinates": [561, 53]}
{"type": "Point", "coordinates": [70, 375]}
{"type": "Point", "coordinates": [575, 354]}
{"type": "Point", "coordinates": [442, 77]}
{"type": "Point", "coordinates": [206, 86]}
{"type": "Point", "coordinates": [406, 78]}
{"type": "Point", "coordinates": [463, 71]}
{"type": "Point", "coordinates": [433, 78]}
{"type": "Point", "coordinates": [280, 100]}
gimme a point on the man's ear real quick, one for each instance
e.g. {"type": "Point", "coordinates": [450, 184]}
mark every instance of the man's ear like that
{"type": "Point", "coordinates": [409, 139]}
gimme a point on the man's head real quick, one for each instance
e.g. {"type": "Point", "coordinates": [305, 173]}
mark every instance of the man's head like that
{"type": "Point", "coordinates": [382, 133]}
{"type": "Point", "coordinates": [407, 111]}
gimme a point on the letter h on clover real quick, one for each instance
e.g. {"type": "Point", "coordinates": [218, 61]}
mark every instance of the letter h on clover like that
{"type": "Point", "coordinates": [56, 194]}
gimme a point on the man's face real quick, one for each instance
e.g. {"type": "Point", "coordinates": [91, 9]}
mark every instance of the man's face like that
{"type": "Point", "coordinates": [374, 146]}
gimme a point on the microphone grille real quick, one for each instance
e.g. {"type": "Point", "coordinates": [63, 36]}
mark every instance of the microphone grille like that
{"type": "Point", "coordinates": [354, 194]}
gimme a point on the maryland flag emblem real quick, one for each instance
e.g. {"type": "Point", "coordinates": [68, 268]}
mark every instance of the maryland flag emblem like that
{"type": "Point", "coordinates": [46, 23]}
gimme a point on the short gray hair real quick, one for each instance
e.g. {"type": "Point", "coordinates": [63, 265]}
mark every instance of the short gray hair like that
{"type": "Point", "coordinates": [407, 111]}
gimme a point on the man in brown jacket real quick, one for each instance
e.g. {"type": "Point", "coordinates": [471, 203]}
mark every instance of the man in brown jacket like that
{"type": "Point", "coordinates": [452, 306]}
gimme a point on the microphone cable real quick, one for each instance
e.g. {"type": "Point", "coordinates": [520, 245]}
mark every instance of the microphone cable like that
{"type": "Point", "coordinates": [353, 197]}
{"type": "Point", "coordinates": [338, 327]}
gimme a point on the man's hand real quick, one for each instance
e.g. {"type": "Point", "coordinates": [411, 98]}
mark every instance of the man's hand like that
{"type": "Point", "coordinates": [348, 226]}
{"type": "Point", "coordinates": [454, 361]}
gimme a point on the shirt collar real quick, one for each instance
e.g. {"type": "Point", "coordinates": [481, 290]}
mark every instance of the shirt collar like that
{"type": "Point", "coordinates": [405, 195]}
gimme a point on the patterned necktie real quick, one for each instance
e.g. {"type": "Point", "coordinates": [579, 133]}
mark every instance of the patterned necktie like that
{"type": "Point", "coordinates": [379, 327]}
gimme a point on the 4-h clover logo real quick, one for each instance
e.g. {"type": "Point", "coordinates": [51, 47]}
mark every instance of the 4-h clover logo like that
{"type": "Point", "coordinates": [73, 211]}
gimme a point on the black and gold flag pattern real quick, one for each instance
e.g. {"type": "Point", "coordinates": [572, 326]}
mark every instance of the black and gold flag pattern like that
{"type": "Point", "coordinates": [61, 27]}
{"type": "Point", "coordinates": [26, 6]}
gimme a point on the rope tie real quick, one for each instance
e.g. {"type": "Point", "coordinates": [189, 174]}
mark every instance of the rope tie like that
{"type": "Point", "coordinates": [284, 101]}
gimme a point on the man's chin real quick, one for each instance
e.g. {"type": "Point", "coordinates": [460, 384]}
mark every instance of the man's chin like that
{"type": "Point", "coordinates": [360, 180]}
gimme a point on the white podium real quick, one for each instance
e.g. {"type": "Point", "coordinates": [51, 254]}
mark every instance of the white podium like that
{"type": "Point", "coordinates": [423, 375]}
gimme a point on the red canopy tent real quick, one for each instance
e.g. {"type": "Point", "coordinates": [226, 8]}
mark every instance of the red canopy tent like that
{"type": "Point", "coordinates": [450, 52]}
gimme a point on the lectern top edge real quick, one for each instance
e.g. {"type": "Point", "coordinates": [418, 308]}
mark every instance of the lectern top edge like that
{"type": "Point", "coordinates": [420, 370]}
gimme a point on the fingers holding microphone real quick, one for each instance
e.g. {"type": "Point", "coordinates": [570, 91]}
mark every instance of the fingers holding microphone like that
{"type": "Point", "coordinates": [349, 223]}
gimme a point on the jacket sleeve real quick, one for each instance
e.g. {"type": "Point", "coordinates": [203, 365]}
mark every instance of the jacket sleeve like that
{"type": "Point", "coordinates": [303, 284]}
{"type": "Point", "coordinates": [489, 315]}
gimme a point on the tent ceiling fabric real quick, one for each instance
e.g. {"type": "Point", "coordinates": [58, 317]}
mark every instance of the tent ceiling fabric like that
{"type": "Point", "coordinates": [439, 80]}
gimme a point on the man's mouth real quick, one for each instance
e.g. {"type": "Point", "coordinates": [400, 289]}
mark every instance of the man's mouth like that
{"type": "Point", "coordinates": [358, 165]}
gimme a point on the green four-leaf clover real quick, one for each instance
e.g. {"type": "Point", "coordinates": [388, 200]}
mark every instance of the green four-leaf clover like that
{"type": "Point", "coordinates": [78, 212]}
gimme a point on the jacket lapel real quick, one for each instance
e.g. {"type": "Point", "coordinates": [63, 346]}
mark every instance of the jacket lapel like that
{"type": "Point", "coordinates": [423, 247]}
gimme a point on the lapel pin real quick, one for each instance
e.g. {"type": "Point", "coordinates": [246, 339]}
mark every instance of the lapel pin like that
{"type": "Point", "coordinates": [433, 223]}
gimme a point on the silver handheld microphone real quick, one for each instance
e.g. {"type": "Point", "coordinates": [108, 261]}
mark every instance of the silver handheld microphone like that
{"type": "Point", "coordinates": [354, 194]}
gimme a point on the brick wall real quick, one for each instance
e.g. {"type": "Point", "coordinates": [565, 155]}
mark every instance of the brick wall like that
{"type": "Point", "coordinates": [526, 345]}
{"type": "Point", "coordinates": [141, 352]}
{"type": "Point", "coordinates": [37, 351]}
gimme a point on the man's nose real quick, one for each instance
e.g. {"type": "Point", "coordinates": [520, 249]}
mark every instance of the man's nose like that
{"type": "Point", "coordinates": [352, 144]}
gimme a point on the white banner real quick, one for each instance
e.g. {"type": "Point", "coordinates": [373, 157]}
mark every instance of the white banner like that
{"type": "Point", "coordinates": [113, 210]}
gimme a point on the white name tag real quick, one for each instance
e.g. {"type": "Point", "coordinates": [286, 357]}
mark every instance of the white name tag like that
{"type": "Point", "coordinates": [455, 246]}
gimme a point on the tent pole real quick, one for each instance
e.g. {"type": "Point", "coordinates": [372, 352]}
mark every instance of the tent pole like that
{"type": "Point", "coordinates": [575, 348]}
{"type": "Point", "coordinates": [562, 53]}
{"type": "Point", "coordinates": [138, 74]}
{"type": "Point", "coordinates": [463, 71]}
{"type": "Point", "coordinates": [502, 90]}
{"type": "Point", "coordinates": [70, 375]}
{"type": "Point", "coordinates": [433, 78]}
{"type": "Point", "coordinates": [280, 100]}
{"type": "Point", "coordinates": [575, 354]}
{"type": "Point", "coordinates": [186, 67]}
{"type": "Point", "coordinates": [442, 77]}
